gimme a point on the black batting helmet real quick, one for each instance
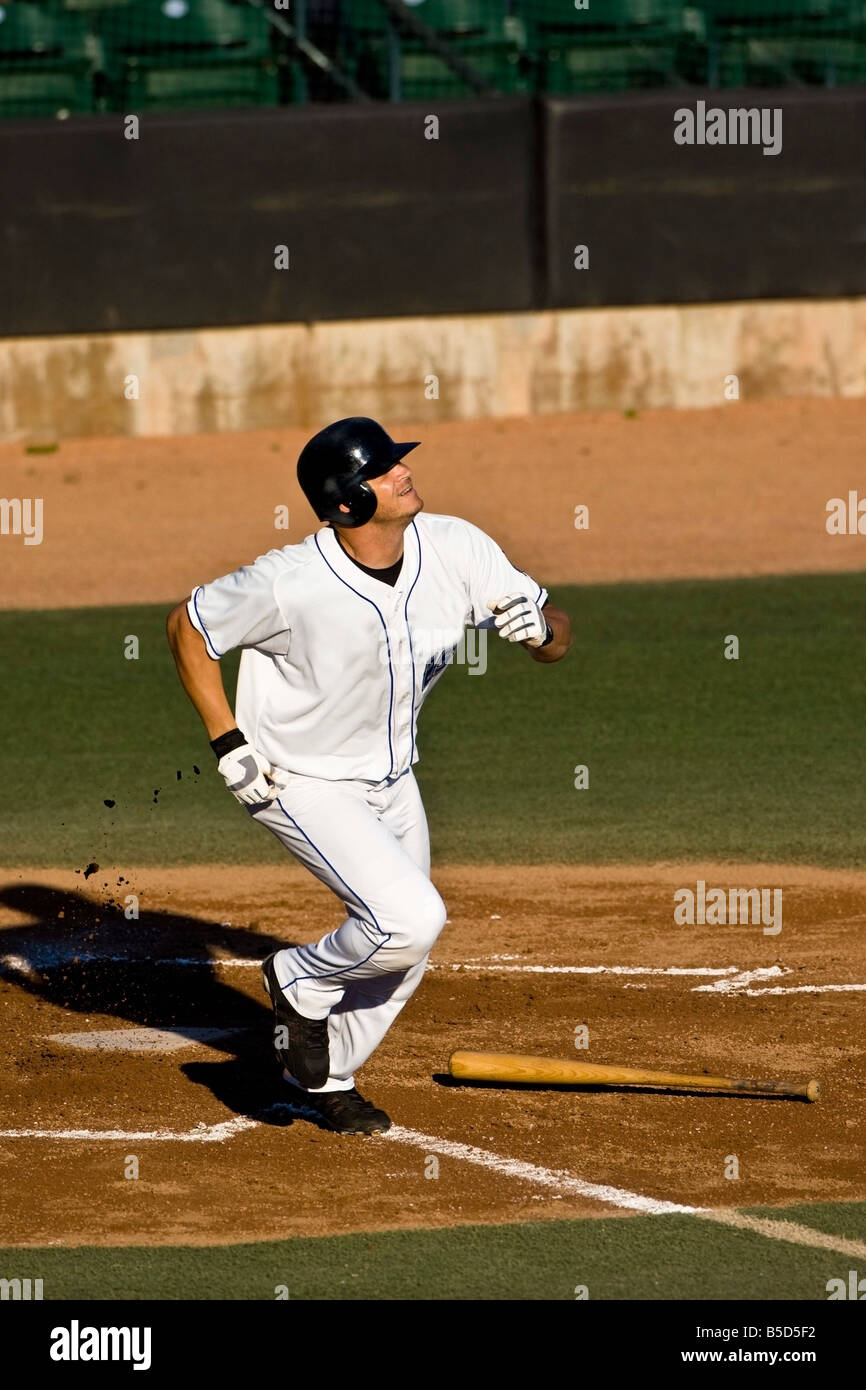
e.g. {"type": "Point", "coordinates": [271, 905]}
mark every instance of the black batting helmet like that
{"type": "Point", "coordinates": [334, 465]}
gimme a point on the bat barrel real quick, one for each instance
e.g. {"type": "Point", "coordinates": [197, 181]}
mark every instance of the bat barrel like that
{"type": "Point", "coordinates": [805, 1090]}
{"type": "Point", "coordinates": [553, 1071]}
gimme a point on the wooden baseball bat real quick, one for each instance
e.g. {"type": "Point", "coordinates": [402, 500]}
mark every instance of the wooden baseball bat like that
{"type": "Point", "coordinates": [515, 1066]}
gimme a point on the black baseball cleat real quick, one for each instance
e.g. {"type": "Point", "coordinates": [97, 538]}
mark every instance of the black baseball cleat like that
{"type": "Point", "coordinates": [346, 1112]}
{"type": "Point", "coordinates": [301, 1044]}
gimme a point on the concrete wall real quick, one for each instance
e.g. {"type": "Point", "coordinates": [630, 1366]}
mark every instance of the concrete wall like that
{"type": "Point", "coordinates": [486, 365]}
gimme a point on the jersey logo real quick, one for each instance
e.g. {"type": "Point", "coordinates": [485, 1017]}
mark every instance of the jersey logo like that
{"type": "Point", "coordinates": [436, 665]}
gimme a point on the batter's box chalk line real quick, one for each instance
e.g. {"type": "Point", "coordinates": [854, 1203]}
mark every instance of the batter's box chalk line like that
{"type": "Point", "coordinates": [726, 979]}
{"type": "Point", "coordinates": [50, 958]}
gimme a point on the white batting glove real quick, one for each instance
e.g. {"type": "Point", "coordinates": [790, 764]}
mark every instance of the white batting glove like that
{"type": "Point", "coordinates": [518, 619]}
{"type": "Point", "coordinates": [248, 776]}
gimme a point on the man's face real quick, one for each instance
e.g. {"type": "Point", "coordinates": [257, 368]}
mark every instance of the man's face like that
{"type": "Point", "coordinates": [396, 498]}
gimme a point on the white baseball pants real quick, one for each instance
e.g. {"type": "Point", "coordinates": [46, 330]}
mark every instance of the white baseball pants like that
{"type": "Point", "coordinates": [370, 845]}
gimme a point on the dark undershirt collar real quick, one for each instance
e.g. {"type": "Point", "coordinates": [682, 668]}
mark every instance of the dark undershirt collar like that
{"type": "Point", "coordinates": [390, 575]}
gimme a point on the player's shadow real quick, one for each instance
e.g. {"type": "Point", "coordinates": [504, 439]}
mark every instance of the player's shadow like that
{"type": "Point", "coordinates": [158, 971]}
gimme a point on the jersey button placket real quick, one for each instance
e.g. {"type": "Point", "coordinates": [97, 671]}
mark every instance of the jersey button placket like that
{"type": "Point", "coordinates": [403, 684]}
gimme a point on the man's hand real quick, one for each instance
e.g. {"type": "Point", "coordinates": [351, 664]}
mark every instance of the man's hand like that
{"type": "Point", "coordinates": [248, 776]}
{"type": "Point", "coordinates": [518, 619]}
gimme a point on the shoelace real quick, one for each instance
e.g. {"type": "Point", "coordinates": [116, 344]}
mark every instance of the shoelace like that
{"type": "Point", "coordinates": [317, 1031]}
{"type": "Point", "coordinates": [356, 1100]}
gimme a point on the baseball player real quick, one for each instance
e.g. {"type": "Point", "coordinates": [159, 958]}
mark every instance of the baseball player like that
{"type": "Point", "coordinates": [342, 638]}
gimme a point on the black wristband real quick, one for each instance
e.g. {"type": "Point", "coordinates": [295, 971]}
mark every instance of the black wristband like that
{"type": "Point", "coordinates": [227, 743]}
{"type": "Point", "coordinates": [548, 639]}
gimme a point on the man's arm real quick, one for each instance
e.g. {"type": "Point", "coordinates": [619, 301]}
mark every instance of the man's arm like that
{"type": "Point", "coordinates": [200, 676]}
{"type": "Point", "coordinates": [246, 772]}
{"type": "Point", "coordinates": [560, 623]}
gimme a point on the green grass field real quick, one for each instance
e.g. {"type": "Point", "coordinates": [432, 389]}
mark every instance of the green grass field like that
{"type": "Point", "coordinates": [690, 755]}
{"type": "Point", "coordinates": [649, 1257]}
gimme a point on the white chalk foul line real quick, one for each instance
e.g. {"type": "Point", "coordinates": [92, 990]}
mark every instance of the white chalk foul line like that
{"type": "Point", "coordinates": [540, 1177]}
{"type": "Point", "coordinates": [564, 1184]}
{"type": "Point", "coordinates": [201, 1134]}
{"type": "Point", "coordinates": [509, 1167]}
{"type": "Point", "coordinates": [567, 1184]}
{"type": "Point", "coordinates": [788, 1231]}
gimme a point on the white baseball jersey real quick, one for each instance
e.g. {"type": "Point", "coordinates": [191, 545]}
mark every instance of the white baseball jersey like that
{"type": "Point", "coordinates": [336, 664]}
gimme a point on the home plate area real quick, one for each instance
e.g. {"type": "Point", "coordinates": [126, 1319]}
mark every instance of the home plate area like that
{"type": "Point", "coordinates": [151, 1042]}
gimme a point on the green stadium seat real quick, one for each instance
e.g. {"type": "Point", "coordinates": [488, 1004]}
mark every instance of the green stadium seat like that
{"type": "Point", "coordinates": [470, 18]}
{"type": "Point", "coordinates": [201, 54]}
{"type": "Point", "coordinates": [89, 6]}
{"type": "Point", "coordinates": [481, 32]}
{"type": "Point", "coordinates": [786, 42]}
{"type": "Point", "coordinates": [66, 56]}
{"type": "Point", "coordinates": [606, 14]}
{"type": "Point", "coordinates": [615, 46]}
{"type": "Point", "coordinates": [46, 62]}
{"type": "Point", "coordinates": [784, 13]}
{"type": "Point", "coordinates": [203, 87]}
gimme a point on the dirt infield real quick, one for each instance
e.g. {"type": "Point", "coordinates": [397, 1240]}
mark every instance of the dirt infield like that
{"type": "Point", "coordinates": [740, 490]}
{"type": "Point", "coordinates": [528, 955]}
{"type": "Point", "coordinates": [189, 961]}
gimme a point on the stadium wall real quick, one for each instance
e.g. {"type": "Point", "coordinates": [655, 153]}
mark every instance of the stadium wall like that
{"type": "Point", "coordinates": [441, 368]}
{"type": "Point", "coordinates": [143, 291]}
